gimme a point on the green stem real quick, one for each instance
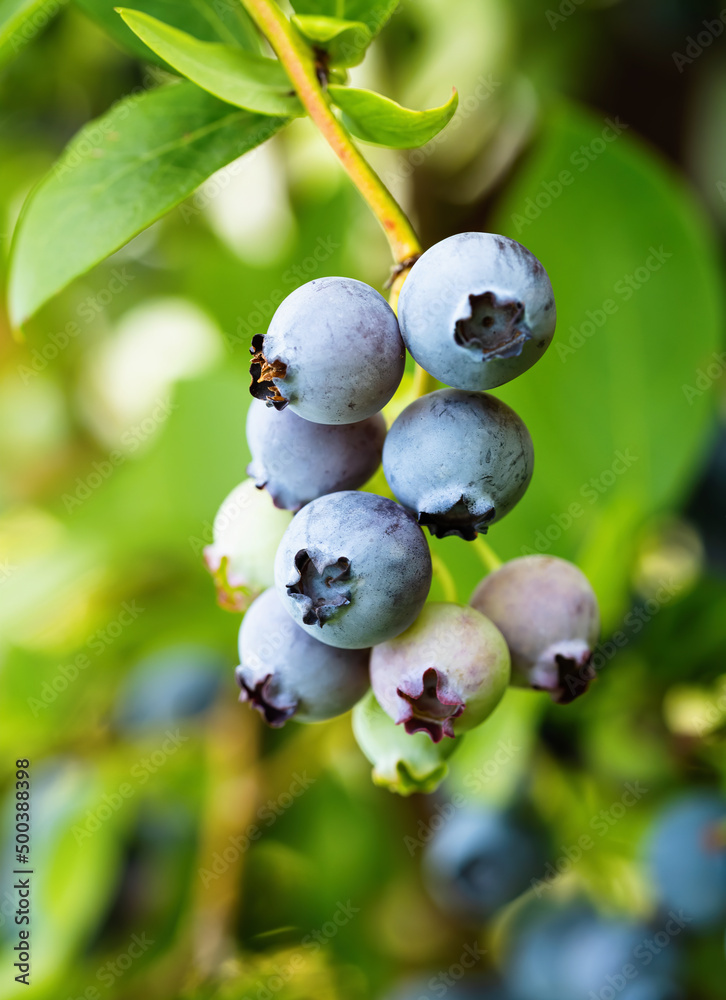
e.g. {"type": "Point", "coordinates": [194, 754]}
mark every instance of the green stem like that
{"type": "Point", "coordinates": [445, 577]}
{"type": "Point", "coordinates": [298, 61]}
{"type": "Point", "coordinates": [486, 553]}
{"type": "Point", "coordinates": [422, 382]}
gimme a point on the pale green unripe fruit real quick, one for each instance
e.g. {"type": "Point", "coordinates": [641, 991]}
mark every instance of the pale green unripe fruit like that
{"type": "Point", "coordinates": [247, 530]}
{"type": "Point", "coordinates": [402, 763]}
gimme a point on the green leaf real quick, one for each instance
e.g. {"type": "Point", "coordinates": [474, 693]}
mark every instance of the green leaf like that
{"type": "Point", "coordinates": [208, 20]}
{"type": "Point", "coordinates": [379, 120]}
{"type": "Point", "coordinates": [245, 79]}
{"type": "Point", "coordinates": [344, 41]}
{"type": "Point", "coordinates": [372, 13]}
{"type": "Point", "coordinates": [21, 21]}
{"type": "Point", "coordinates": [118, 175]}
{"type": "Point", "coordinates": [636, 278]}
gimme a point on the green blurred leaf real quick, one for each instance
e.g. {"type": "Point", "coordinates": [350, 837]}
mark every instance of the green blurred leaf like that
{"type": "Point", "coordinates": [345, 42]}
{"type": "Point", "coordinates": [379, 120]}
{"type": "Point", "coordinates": [18, 25]}
{"type": "Point", "coordinates": [638, 289]}
{"type": "Point", "coordinates": [496, 757]}
{"type": "Point", "coordinates": [208, 20]}
{"type": "Point", "coordinates": [372, 13]}
{"type": "Point", "coordinates": [244, 79]}
{"type": "Point", "coordinates": [119, 174]}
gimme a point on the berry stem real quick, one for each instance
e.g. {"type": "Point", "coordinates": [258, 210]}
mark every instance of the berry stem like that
{"type": "Point", "coordinates": [446, 579]}
{"type": "Point", "coordinates": [487, 554]}
{"type": "Point", "coordinates": [422, 382]}
{"type": "Point", "coordinates": [299, 63]}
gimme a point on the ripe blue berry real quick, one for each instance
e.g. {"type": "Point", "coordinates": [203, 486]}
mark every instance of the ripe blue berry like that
{"type": "Point", "coordinates": [459, 460]}
{"type": "Point", "coordinates": [298, 461]}
{"type": "Point", "coordinates": [353, 569]}
{"type": "Point", "coordinates": [401, 762]}
{"type": "Point", "coordinates": [445, 674]}
{"type": "Point", "coordinates": [333, 352]}
{"type": "Point", "coordinates": [548, 613]}
{"type": "Point", "coordinates": [477, 310]}
{"type": "Point", "coordinates": [481, 859]}
{"type": "Point", "coordinates": [572, 953]}
{"type": "Point", "coordinates": [247, 530]}
{"type": "Point", "coordinates": [284, 673]}
{"type": "Point", "coordinates": [687, 857]}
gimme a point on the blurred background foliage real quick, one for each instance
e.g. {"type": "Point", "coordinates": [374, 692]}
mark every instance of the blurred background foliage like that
{"type": "Point", "coordinates": [251, 863]}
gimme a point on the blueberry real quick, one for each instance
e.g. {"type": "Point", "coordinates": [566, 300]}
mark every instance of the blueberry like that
{"type": "Point", "coordinates": [298, 461]}
{"type": "Point", "coordinates": [353, 569]}
{"type": "Point", "coordinates": [401, 763]}
{"type": "Point", "coordinates": [284, 673]}
{"type": "Point", "coordinates": [333, 352]}
{"type": "Point", "coordinates": [481, 859]}
{"type": "Point", "coordinates": [570, 953]}
{"type": "Point", "coordinates": [477, 310]}
{"type": "Point", "coordinates": [445, 674]}
{"type": "Point", "coordinates": [459, 460]}
{"type": "Point", "coordinates": [169, 685]}
{"type": "Point", "coordinates": [548, 613]}
{"type": "Point", "coordinates": [247, 530]}
{"type": "Point", "coordinates": [686, 854]}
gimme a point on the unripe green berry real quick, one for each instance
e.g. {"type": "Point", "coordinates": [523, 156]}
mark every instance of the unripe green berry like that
{"type": "Point", "coordinates": [401, 763]}
{"type": "Point", "coordinates": [247, 531]}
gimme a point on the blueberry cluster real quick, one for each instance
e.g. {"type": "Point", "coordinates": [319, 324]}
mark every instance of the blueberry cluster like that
{"type": "Point", "coordinates": [344, 601]}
